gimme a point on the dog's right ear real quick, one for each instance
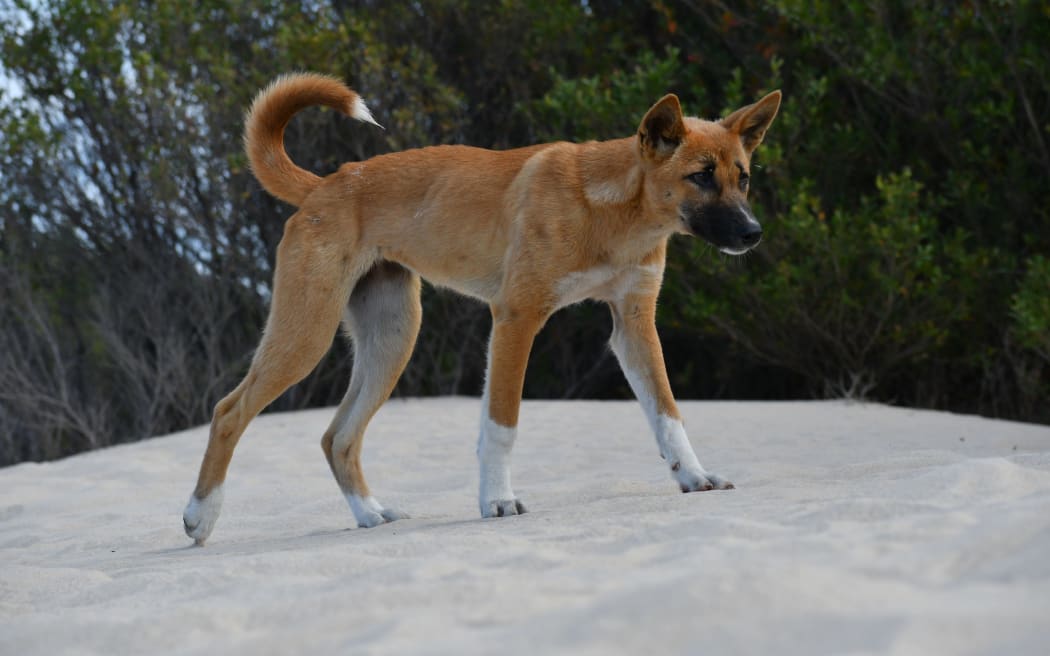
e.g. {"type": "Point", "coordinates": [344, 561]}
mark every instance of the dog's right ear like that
{"type": "Point", "coordinates": [662, 129]}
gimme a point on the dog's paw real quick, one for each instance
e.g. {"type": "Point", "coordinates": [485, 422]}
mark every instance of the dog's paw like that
{"type": "Point", "coordinates": [201, 514]}
{"type": "Point", "coordinates": [369, 513]}
{"type": "Point", "coordinates": [701, 481]}
{"type": "Point", "coordinates": [393, 514]}
{"type": "Point", "coordinates": [369, 520]}
{"type": "Point", "coordinates": [503, 508]}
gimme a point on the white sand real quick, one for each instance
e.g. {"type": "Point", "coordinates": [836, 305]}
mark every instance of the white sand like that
{"type": "Point", "coordinates": [856, 529]}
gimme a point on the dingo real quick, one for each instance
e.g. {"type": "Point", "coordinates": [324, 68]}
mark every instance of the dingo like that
{"type": "Point", "coordinates": [527, 231]}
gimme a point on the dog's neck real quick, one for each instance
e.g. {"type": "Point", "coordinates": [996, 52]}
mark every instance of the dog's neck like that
{"type": "Point", "coordinates": [613, 178]}
{"type": "Point", "coordinates": [611, 172]}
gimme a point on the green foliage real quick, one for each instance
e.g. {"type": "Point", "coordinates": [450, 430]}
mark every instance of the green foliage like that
{"type": "Point", "coordinates": [846, 299]}
{"type": "Point", "coordinates": [594, 107]}
{"type": "Point", "coordinates": [902, 190]}
{"type": "Point", "coordinates": [129, 262]}
{"type": "Point", "coordinates": [888, 186]}
{"type": "Point", "coordinates": [1031, 307]}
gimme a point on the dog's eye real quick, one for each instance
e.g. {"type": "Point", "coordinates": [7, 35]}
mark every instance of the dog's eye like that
{"type": "Point", "coordinates": [745, 179]}
{"type": "Point", "coordinates": [704, 179]}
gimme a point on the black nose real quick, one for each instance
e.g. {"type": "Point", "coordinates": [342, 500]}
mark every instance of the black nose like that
{"type": "Point", "coordinates": [751, 236]}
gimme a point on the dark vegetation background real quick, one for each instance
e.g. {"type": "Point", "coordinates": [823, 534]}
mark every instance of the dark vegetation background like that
{"type": "Point", "coordinates": [904, 189]}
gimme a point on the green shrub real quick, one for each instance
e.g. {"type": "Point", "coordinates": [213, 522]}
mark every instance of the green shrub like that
{"type": "Point", "coordinates": [605, 106]}
{"type": "Point", "coordinates": [843, 298]}
{"type": "Point", "coordinates": [1031, 307]}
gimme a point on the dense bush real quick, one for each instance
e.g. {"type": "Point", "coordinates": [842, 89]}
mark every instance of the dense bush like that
{"type": "Point", "coordinates": [903, 191]}
{"type": "Point", "coordinates": [1031, 307]}
{"type": "Point", "coordinates": [848, 300]}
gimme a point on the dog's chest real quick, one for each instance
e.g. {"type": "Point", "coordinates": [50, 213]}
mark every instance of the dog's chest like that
{"type": "Point", "coordinates": [603, 283]}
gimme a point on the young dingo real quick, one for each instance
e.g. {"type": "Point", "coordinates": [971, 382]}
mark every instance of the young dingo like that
{"type": "Point", "coordinates": [527, 231]}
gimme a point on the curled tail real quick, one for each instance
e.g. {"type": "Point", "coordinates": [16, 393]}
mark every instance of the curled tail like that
{"type": "Point", "coordinates": [270, 112]}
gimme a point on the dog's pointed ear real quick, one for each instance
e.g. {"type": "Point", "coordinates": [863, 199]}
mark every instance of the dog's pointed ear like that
{"type": "Point", "coordinates": [662, 129]}
{"type": "Point", "coordinates": [750, 123]}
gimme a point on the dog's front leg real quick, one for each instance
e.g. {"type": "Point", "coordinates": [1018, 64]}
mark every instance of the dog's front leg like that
{"type": "Point", "coordinates": [512, 335]}
{"type": "Point", "coordinates": [637, 346]}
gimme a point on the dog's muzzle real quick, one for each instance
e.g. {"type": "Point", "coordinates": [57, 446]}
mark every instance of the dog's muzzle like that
{"type": "Point", "coordinates": [731, 228]}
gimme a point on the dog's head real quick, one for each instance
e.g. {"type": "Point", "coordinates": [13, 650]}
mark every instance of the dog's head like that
{"type": "Point", "coordinates": [699, 171]}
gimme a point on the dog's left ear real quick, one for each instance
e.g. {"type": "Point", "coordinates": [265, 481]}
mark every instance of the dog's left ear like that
{"type": "Point", "coordinates": [662, 129]}
{"type": "Point", "coordinates": [751, 122]}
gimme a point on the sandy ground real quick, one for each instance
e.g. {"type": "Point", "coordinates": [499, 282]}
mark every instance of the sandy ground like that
{"type": "Point", "coordinates": [855, 529]}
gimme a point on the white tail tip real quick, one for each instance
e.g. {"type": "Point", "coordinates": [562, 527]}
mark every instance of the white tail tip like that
{"type": "Point", "coordinates": [361, 112]}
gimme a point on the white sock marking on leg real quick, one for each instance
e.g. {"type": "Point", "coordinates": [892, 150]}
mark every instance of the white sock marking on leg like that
{"type": "Point", "coordinates": [675, 446]}
{"type": "Point", "coordinates": [201, 514]}
{"type": "Point", "coordinates": [495, 443]}
{"type": "Point", "coordinates": [494, 447]}
{"type": "Point", "coordinates": [367, 510]}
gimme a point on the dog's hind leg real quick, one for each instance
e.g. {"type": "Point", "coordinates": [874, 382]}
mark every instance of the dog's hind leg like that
{"type": "Point", "coordinates": [383, 319]}
{"type": "Point", "coordinates": [312, 283]}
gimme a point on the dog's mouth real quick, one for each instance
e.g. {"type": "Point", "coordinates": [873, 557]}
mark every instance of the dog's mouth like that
{"type": "Point", "coordinates": [731, 229]}
{"type": "Point", "coordinates": [735, 251]}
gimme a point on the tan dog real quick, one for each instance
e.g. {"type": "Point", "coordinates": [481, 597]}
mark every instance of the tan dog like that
{"type": "Point", "coordinates": [527, 231]}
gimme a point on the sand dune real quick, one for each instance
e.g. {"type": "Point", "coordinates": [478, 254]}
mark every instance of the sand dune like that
{"type": "Point", "coordinates": [856, 529]}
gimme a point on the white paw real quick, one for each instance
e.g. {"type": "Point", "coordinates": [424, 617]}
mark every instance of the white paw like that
{"type": "Point", "coordinates": [201, 514]}
{"type": "Point", "coordinates": [699, 480]}
{"type": "Point", "coordinates": [496, 498]}
{"type": "Point", "coordinates": [369, 513]}
{"type": "Point", "coordinates": [503, 508]}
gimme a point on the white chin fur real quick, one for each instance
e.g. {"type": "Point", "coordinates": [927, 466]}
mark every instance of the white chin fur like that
{"type": "Point", "coordinates": [201, 514]}
{"type": "Point", "coordinates": [734, 251]}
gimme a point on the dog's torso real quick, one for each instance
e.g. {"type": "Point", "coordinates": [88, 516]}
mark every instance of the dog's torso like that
{"type": "Point", "coordinates": [544, 226]}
